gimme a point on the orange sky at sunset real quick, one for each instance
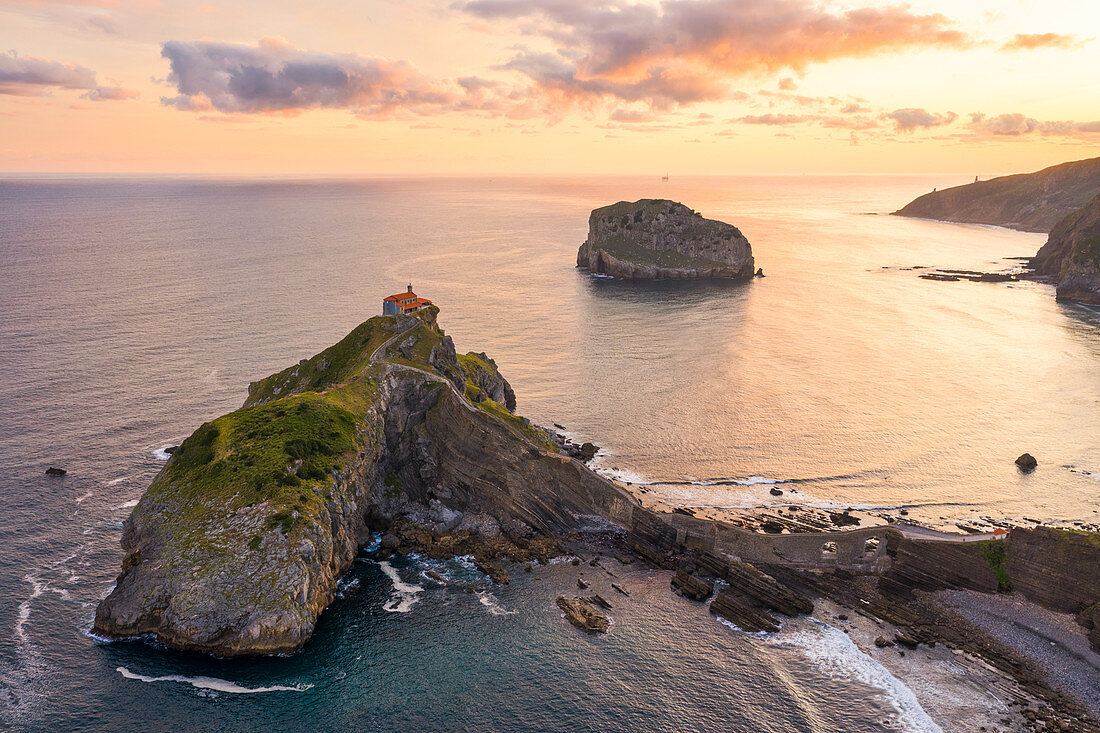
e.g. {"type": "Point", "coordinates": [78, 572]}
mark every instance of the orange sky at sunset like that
{"type": "Point", "coordinates": [336, 87]}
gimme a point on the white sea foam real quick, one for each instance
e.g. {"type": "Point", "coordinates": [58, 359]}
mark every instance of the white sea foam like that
{"type": "Point", "coordinates": [345, 584]}
{"type": "Point", "coordinates": [162, 454]}
{"type": "Point", "coordinates": [835, 654]}
{"type": "Point", "coordinates": [735, 627]}
{"type": "Point", "coordinates": [128, 505]}
{"type": "Point", "coordinates": [754, 480]}
{"type": "Point", "coordinates": [619, 474]}
{"type": "Point", "coordinates": [211, 683]}
{"type": "Point", "coordinates": [117, 481]}
{"type": "Point", "coordinates": [39, 587]}
{"type": "Point", "coordinates": [82, 498]}
{"type": "Point", "coordinates": [492, 605]}
{"type": "Point", "coordinates": [405, 595]}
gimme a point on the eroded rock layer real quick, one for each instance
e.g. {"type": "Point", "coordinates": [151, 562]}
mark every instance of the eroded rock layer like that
{"type": "Point", "coordinates": [1071, 255]}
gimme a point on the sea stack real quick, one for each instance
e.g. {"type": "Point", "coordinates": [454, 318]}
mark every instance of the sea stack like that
{"type": "Point", "coordinates": [1071, 255]}
{"type": "Point", "coordinates": [658, 239]}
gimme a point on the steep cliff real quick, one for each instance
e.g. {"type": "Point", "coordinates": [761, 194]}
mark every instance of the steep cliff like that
{"type": "Point", "coordinates": [1032, 202]}
{"type": "Point", "coordinates": [656, 239]}
{"type": "Point", "coordinates": [1072, 255]}
{"type": "Point", "coordinates": [237, 545]}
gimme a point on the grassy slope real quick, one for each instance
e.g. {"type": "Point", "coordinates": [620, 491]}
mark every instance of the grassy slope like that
{"type": "Point", "coordinates": [297, 427]}
{"type": "Point", "coordinates": [470, 364]}
{"type": "Point", "coordinates": [623, 249]}
{"type": "Point", "coordinates": [281, 453]}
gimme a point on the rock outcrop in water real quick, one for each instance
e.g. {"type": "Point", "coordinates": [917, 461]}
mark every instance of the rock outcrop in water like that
{"type": "Point", "coordinates": [236, 546]}
{"type": "Point", "coordinates": [657, 239]}
{"type": "Point", "coordinates": [1071, 255]}
{"type": "Point", "coordinates": [1032, 202]}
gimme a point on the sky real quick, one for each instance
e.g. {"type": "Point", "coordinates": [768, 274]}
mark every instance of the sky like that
{"type": "Point", "coordinates": [497, 87]}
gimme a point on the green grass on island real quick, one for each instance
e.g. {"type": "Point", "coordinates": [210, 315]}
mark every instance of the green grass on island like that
{"type": "Point", "coordinates": [995, 553]}
{"type": "Point", "coordinates": [298, 427]}
{"type": "Point", "coordinates": [1086, 250]}
{"type": "Point", "coordinates": [282, 453]}
{"type": "Point", "coordinates": [623, 249]}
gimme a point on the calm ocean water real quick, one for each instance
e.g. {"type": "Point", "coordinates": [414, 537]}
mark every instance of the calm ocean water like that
{"type": "Point", "coordinates": [135, 310]}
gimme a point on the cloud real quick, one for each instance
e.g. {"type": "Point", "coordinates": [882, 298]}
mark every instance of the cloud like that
{"type": "Point", "coordinates": [683, 51]}
{"type": "Point", "coordinates": [1019, 125]}
{"type": "Point", "coordinates": [104, 23]}
{"type": "Point", "coordinates": [911, 118]}
{"type": "Point", "coordinates": [849, 123]}
{"type": "Point", "coordinates": [1032, 41]}
{"type": "Point", "coordinates": [787, 84]}
{"type": "Point", "coordinates": [631, 115]}
{"type": "Point", "coordinates": [30, 76]}
{"type": "Point", "coordinates": [113, 93]}
{"type": "Point", "coordinates": [773, 119]}
{"type": "Point", "coordinates": [661, 87]}
{"type": "Point", "coordinates": [276, 78]}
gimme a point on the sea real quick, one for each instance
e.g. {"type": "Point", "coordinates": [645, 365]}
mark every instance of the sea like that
{"type": "Point", "coordinates": [132, 310]}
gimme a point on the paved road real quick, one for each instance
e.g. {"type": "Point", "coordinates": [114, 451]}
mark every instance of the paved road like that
{"type": "Point", "coordinates": [913, 532]}
{"type": "Point", "coordinates": [390, 340]}
{"type": "Point", "coordinates": [436, 378]}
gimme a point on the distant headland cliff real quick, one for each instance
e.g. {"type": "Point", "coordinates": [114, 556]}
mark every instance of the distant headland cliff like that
{"type": "Point", "coordinates": [657, 239]}
{"type": "Point", "coordinates": [1063, 199]}
{"type": "Point", "coordinates": [1031, 202]}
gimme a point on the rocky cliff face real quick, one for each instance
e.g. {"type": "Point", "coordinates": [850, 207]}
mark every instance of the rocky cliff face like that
{"type": "Point", "coordinates": [656, 239]}
{"type": "Point", "coordinates": [1032, 202]}
{"type": "Point", "coordinates": [1058, 569]}
{"type": "Point", "coordinates": [1071, 255]}
{"type": "Point", "coordinates": [237, 545]}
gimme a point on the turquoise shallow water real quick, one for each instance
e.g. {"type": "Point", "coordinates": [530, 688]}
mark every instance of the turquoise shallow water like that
{"type": "Point", "coordinates": [135, 310]}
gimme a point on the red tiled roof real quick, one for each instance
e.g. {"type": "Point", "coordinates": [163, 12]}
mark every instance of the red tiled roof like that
{"type": "Point", "coordinates": [418, 303]}
{"type": "Point", "coordinates": [401, 296]}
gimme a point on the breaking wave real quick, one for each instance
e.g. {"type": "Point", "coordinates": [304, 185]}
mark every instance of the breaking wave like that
{"type": "Point", "coordinates": [211, 683]}
{"type": "Point", "coordinates": [492, 605]}
{"type": "Point", "coordinates": [836, 655]}
{"type": "Point", "coordinates": [405, 595]}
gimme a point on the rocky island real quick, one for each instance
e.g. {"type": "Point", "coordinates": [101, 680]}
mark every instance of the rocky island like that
{"type": "Point", "coordinates": [237, 545]}
{"type": "Point", "coordinates": [1071, 255]}
{"type": "Point", "coordinates": [657, 239]}
{"type": "Point", "coordinates": [1031, 202]}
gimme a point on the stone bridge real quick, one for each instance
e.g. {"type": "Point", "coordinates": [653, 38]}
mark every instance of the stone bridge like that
{"type": "Point", "coordinates": [861, 549]}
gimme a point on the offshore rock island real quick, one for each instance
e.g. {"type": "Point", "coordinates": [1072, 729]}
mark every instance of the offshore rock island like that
{"type": "Point", "coordinates": [658, 239]}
